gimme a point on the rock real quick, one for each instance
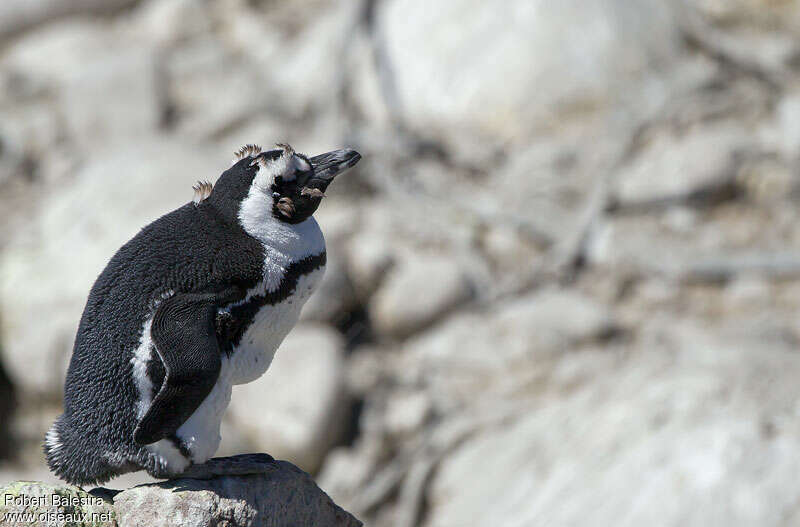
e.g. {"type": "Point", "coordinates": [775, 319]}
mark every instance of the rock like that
{"type": "Point", "coordinates": [783, 133]}
{"type": "Point", "coordinates": [105, 82]}
{"type": "Point", "coordinates": [476, 351]}
{"type": "Point", "coordinates": [348, 470]}
{"type": "Point", "coordinates": [305, 59]}
{"type": "Point", "coordinates": [285, 496]}
{"type": "Point", "coordinates": [739, 231]}
{"type": "Point", "coordinates": [169, 22]}
{"type": "Point", "coordinates": [56, 505]}
{"type": "Point", "coordinates": [49, 266]}
{"type": "Point", "coordinates": [770, 17]}
{"type": "Point", "coordinates": [211, 89]}
{"type": "Point", "coordinates": [537, 325]}
{"type": "Point", "coordinates": [288, 496]}
{"type": "Point", "coordinates": [673, 167]}
{"type": "Point", "coordinates": [419, 290]}
{"type": "Point", "coordinates": [445, 67]}
{"type": "Point", "coordinates": [370, 255]}
{"type": "Point", "coordinates": [406, 413]}
{"type": "Point", "coordinates": [699, 414]}
{"type": "Point", "coordinates": [19, 15]}
{"type": "Point", "coordinates": [301, 402]}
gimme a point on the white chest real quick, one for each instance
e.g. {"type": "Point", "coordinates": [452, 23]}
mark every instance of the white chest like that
{"type": "Point", "coordinates": [284, 246]}
{"type": "Point", "coordinates": [253, 355]}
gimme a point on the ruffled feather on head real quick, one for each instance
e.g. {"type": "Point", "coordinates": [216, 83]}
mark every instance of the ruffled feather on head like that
{"type": "Point", "coordinates": [287, 149]}
{"type": "Point", "coordinates": [202, 190]}
{"type": "Point", "coordinates": [246, 151]}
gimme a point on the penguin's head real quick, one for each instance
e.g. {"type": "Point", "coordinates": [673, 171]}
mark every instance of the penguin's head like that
{"type": "Point", "coordinates": [275, 185]}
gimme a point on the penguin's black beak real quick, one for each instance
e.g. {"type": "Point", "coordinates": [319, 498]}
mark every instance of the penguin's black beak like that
{"type": "Point", "coordinates": [329, 165]}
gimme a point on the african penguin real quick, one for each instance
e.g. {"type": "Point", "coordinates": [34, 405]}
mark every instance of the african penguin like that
{"type": "Point", "coordinates": [196, 302]}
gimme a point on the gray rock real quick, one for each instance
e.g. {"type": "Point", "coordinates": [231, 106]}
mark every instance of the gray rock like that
{"type": "Point", "coordinates": [784, 132]}
{"type": "Point", "coordinates": [419, 290]}
{"type": "Point", "coordinates": [53, 505]}
{"type": "Point", "coordinates": [536, 325]}
{"type": "Point", "coordinates": [19, 15]}
{"type": "Point", "coordinates": [104, 82]}
{"type": "Point", "coordinates": [444, 57]}
{"type": "Point", "coordinates": [675, 167]}
{"type": "Point", "coordinates": [406, 412]}
{"type": "Point", "coordinates": [169, 22]}
{"type": "Point", "coordinates": [49, 266]}
{"type": "Point", "coordinates": [211, 89]}
{"type": "Point", "coordinates": [288, 496]}
{"type": "Point", "coordinates": [698, 414]}
{"type": "Point", "coordinates": [300, 402]}
{"type": "Point", "coordinates": [284, 496]}
{"type": "Point", "coordinates": [370, 255]}
{"type": "Point", "coordinates": [305, 58]}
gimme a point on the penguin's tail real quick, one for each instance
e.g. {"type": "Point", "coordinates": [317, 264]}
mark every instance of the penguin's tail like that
{"type": "Point", "coordinates": [55, 451]}
{"type": "Point", "coordinates": [67, 459]}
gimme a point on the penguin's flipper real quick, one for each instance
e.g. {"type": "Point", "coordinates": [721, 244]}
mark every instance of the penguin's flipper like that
{"type": "Point", "coordinates": [184, 334]}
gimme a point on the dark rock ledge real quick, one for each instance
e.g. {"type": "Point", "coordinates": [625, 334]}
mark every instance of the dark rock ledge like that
{"type": "Point", "coordinates": [286, 496]}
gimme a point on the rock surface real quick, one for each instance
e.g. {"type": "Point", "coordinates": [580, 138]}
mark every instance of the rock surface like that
{"type": "Point", "coordinates": [40, 504]}
{"type": "Point", "coordinates": [417, 292]}
{"type": "Point", "coordinates": [287, 496]}
{"type": "Point", "coordinates": [448, 81]}
{"type": "Point", "coordinates": [665, 422]}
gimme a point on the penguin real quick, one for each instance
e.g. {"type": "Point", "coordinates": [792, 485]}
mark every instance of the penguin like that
{"type": "Point", "coordinates": [197, 302]}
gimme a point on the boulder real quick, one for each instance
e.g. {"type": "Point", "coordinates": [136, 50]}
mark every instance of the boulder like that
{"type": "Point", "coordinates": [678, 167]}
{"type": "Point", "coordinates": [467, 66]}
{"type": "Point", "coordinates": [701, 414]}
{"type": "Point", "coordinates": [419, 290]}
{"type": "Point", "coordinates": [19, 15]}
{"type": "Point", "coordinates": [104, 82]}
{"type": "Point", "coordinates": [530, 328]}
{"type": "Point", "coordinates": [40, 504]}
{"type": "Point", "coordinates": [286, 496]}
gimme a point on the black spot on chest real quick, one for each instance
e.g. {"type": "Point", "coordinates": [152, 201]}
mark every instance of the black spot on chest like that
{"type": "Point", "coordinates": [232, 324]}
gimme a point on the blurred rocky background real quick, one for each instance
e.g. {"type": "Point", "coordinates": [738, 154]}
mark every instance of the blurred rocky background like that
{"type": "Point", "coordinates": [564, 280]}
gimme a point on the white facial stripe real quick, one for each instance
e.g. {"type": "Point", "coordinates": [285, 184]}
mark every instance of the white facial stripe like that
{"type": "Point", "coordinates": [269, 169]}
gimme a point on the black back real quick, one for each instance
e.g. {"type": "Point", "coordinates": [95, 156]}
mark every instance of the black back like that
{"type": "Point", "coordinates": [196, 248]}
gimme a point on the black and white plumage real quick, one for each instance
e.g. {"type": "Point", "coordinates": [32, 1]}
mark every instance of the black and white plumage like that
{"type": "Point", "coordinates": [196, 302]}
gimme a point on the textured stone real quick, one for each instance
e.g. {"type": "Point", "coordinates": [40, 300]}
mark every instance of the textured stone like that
{"type": "Point", "coordinates": [466, 65]}
{"type": "Point", "coordinates": [285, 497]}
{"type": "Point", "coordinates": [105, 83]}
{"type": "Point", "coordinates": [53, 506]}
{"type": "Point", "coordinates": [370, 255]}
{"type": "Point", "coordinates": [19, 15]}
{"type": "Point", "coordinates": [418, 291]}
{"type": "Point", "coordinates": [678, 166]}
{"type": "Point", "coordinates": [697, 415]}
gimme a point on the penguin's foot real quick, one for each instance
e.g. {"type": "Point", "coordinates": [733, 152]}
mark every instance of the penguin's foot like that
{"type": "Point", "coordinates": [240, 465]}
